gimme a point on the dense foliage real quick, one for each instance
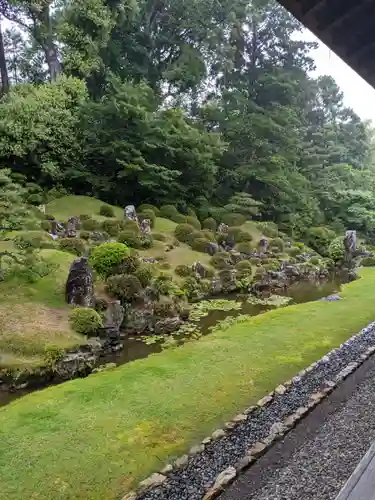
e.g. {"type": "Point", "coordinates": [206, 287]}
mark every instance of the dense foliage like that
{"type": "Point", "coordinates": [197, 107]}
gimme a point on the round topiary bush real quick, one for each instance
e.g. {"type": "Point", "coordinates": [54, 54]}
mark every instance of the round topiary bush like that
{"type": "Point", "coordinates": [244, 247]}
{"type": "Point", "coordinates": [147, 206]}
{"type": "Point", "coordinates": [243, 265]}
{"type": "Point", "coordinates": [125, 287]}
{"type": "Point", "coordinates": [167, 211]}
{"type": "Point", "coordinates": [91, 225]}
{"type": "Point", "coordinates": [277, 243]}
{"type": "Point", "coordinates": [32, 239]}
{"type": "Point", "coordinates": [193, 221]}
{"type": "Point", "coordinates": [184, 232]}
{"type": "Point", "coordinates": [191, 288]}
{"type": "Point", "coordinates": [200, 244]}
{"type": "Point", "coordinates": [85, 321]}
{"type": "Point", "coordinates": [49, 217]}
{"type": "Point", "coordinates": [145, 273]}
{"type": "Point", "coordinates": [368, 261]}
{"type": "Point", "coordinates": [106, 211]}
{"type": "Point", "coordinates": [183, 270]}
{"type": "Point", "coordinates": [105, 257]}
{"type": "Point", "coordinates": [163, 284]}
{"type": "Point", "coordinates": [255, 261]}
{"type": "Point", "coordinates": [319, 239]}
{"type": "Point", "coordinates": [128, 265]}
{"type": "Point", "coordinates": [130, 239]}
{"type": "Point", "coordinates": [272, 265]}
{"type": "Point", "coordinates": [72, 245]}
{"type": "Point", "coordinates": [178, 218]}
{"type": "Point", "coordinates": [233, 219]}
{"type": "Point", "coordinates": [147, 214]}
{"type": "Point", "coordinates": [243, 236]}
{"type": "Point", "coordinates": [336, 250]}
{"type": "Point", "coordinates": [210, 223]}
{"type": "Point", "coordinates": [111, 226]}
{"type": "Point", "coordinates": [221, 260]}
{"type": "Point", "coordinates": [159, 236]}
{"type": "Point", "coordinates": [294, 251]}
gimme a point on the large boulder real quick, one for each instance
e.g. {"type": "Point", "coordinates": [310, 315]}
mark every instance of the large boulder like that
{"type": "Point", "coordinates": [79, 288]}
{"type": "Point", "coordinates": [114, 317]}
{"type": "Point", "coordinates": [167, 325]}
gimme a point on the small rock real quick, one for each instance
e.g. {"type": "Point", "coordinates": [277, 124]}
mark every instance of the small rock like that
{"type": "Point", "coordinates": [230, 425]}
{"type": "Point", "coordinates": [244, 462]}
{"type": "Point", "coordinates": [317, 396]}
{"type": "Point", "coordinates": [249, 410]}
{"type": "Point", "coordinates": [280, 389]}
{"type": "Point", "coordinates": [257, 450]}
{"type": "Point", "coordinates": [302, 410]}
{"type": "Point", "coordinates": [130, 496]}
{"type": "Point", "coordinates": [290, 421]}
{"type": "Point", "coordinates": [196, 449]}
{"type": "Point", "coordinates": [264, 401]}
{"type": "Point", "coordinates": [240, 418]}
{"type": "Point", "coordinates": [222, 480]}
{"type": "Point", "coordinates": [278, 428]}
{"type": "Point", "coordinates": [206, 440]}
{"type": "Point", "coordinates": [167, 469]}
{"type": "Point", "coordinates": [219, 433]}
{"type": "Point", "coordinates": [180, 462]}
{"type": "Point", "coordinates": [152, 481]}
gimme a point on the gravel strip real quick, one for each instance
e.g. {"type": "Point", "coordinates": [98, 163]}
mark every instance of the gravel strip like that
{"type": "Point", "coordinates": [317, 458]}
{"type": "Point", "coordinates": [192, 479]}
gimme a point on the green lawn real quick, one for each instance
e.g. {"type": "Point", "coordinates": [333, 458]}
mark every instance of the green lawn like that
{"type": "Point", "coordinates": [35, 314]}
{"type": "Point", "coordinates": [65, 207]}
{"type": "Point", "coordinates": [92, 439]}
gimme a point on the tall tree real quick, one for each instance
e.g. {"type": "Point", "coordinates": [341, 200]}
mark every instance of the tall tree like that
{"type": "Point", "coordinates": [3, 65]}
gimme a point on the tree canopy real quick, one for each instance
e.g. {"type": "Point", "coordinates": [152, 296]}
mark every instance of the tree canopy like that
{"type": "Point", "coordinates": [200, 103]}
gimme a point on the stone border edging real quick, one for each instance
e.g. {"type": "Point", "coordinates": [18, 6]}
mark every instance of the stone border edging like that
{"type": "Point", "coordinates": [277, 431]}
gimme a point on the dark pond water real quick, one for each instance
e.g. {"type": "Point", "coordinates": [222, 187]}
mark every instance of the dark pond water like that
{"type": "Point", "coordinates": [135, 349]}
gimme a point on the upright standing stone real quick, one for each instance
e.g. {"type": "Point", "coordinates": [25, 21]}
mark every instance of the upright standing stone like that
{"type": "Point", "coordinates": [350, 245]}
{"type": "Point", "coordinates": [145, 226]}
{"type": "Point", "coordinates": [130, 213]}
{"type": "Point", "coordinates": [114, 317]}
{"type": "Point", "coordinates": [223, 228]}
{"type": "Point", "coordinates": [263, 245]}
{"type": "Point", "coordinates": [79, 289]}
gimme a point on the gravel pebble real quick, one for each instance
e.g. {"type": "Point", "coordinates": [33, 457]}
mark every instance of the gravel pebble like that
{"type": "Point", "coordinates": [192, 480]}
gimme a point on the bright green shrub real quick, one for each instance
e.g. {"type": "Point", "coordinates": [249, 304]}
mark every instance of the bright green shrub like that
{"type": "Point", "coordinates": [106, 211]}
{"type": "Point", "coordinates": [277, 243]}
{"type": "Point", "coordinates": [183, 232]}
{"type": "Point", "coordinates": [163, 284]}
{"type": "Point", "coordinates": [233, 219]}
{"type": "Point", "coordinates": [85, 321]}
{"type": "Point", "coordinates": [193, 221]}
{"type": "Point", "coordinates": [319, 239]}
{"type": "Point", "coordinates": [49, 217]}
{"type": "Point", "coordinates": [72, 245]}
{"type": "Point", "coordinates": [315, 261]}
{"type": "Point", "coordinates": [125, 287]}
{"type": "Point", "coordinates": [105, 257]}
{"type": "Point", "coordinates": [210, 223]}
{"type": "Point", "coordinates": [191, 288]}
{"type": "Point", "coordinates": [294, 251]}
{"type": "Point", "coordinates": [336, 250]}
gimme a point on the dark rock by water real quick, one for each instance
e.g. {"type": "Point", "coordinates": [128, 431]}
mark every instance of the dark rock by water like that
{"type": "Point", "coordinates": [79, 289]}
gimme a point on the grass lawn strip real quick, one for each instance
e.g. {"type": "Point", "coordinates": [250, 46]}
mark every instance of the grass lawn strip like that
{"type": "Point", "coordinates": [95, 438]}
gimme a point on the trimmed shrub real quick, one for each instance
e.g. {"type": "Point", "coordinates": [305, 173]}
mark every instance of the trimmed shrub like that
{"type": "Point", "coordinates": [244, 247]}
{"type": "Point", "coordinates": [243, 265]}
{"type": "Point", "coordinates": [105, 257]}
{"type": "Point", "coordinates": [210, 223]}
{"type": "Point", "coordinates": [200, 244]}
{"type": "Point", "coordinates": [167, 211]}
{"type": "Point", "coordinates": [84, 235]}
{"type": "Point", "coordinates": [147, 206]}
{"type": "Point", "coordinates": [217, 213]}
{"type": "Point", "coordinates": [46, 225]}
{"type": "Point", "coordinates": [233, 219]}
{"type": "Point", "coordinates": [144, 273]}
{"type": "Point", "coordinates": [191, 288]}
{"type": "Point", "coordinates": [159, 236]}
{"type": "Point", "coordinates": [165, 308]}
{"type": "Point", "coordinates": [178, 218]}
{"type": "Point", "coordinates": [294, 251]}
{"type": "Point", "coordinates": [183, 270]}
{"type": "Point", "coordinates": [243, 236]}
{"type": "Point", "coordinates": [255, 261]}
{"type": "Point", "coordinates": [319, 239]}
{"type": "Point", "coordinates": [91, 225]}
{"type": "Point", "coordinates": [272, 265]}
{"type": "Point", "coordinates": [84, 217]}
{"type": "Point", "coordinates": [128, 265]}
{"type": "Point", "coordinates": [49, 217]}
{"type": "Point", "coordinates": [147, 214]}
{"type": "Point", "coordinates": [31, 240]}
{"type": "Point", "coordinates": [75, 246]}
{"type": "Point", "coordinates": [125, 287]}
{"type": "Point", "coordinates": [184, 232]}
{"type": "Point", "coordinates": [163, 284]}
{"type": "Point", "coordinates": [191, 212]}
{"type": "Point", "coordinates": [106, 211]}
{"type": "Point", "coordinates": [129, 225]}
{"type": "Point", "coordinates": [368, 261]}
{"type": "Point", "coordinates": [221, 260]}
{"type": "Point", "coordinates": [269, 229]}
{"type": "Point", "coordinates": [336, 250]}
{"type": "Point", "coordinates": [130, 239]}
{"type": "Point", "coordinates": [85, 321]}
{"type": "Point", "coordinates": [277, 243]}
{"type": "Point", "coordinates": [193, 221]}
{"type": "Point", "coordinates": [111, 226]}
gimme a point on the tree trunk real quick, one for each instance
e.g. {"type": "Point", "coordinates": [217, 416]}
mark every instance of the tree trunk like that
{"type": "Point", "coordinates": [49, 46]}
{"type": "Point", "coordinates": [3, 66]}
